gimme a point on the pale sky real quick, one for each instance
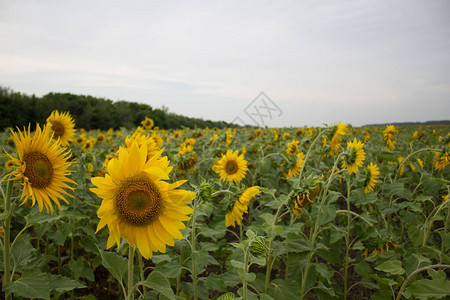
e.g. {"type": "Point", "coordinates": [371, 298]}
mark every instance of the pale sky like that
{"type": "Point", "coordinates": [357, 62]}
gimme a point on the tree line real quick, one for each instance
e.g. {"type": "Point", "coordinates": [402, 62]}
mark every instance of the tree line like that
{"type": "Point", "coordinates": [18, 109]}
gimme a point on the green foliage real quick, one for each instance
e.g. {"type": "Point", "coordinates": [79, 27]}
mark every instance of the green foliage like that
{"type": "Point", "coordinates": [17, 109]}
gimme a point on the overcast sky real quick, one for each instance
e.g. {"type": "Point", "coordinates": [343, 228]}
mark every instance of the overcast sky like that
{"type": "Point", "coordinates": [356, 62]}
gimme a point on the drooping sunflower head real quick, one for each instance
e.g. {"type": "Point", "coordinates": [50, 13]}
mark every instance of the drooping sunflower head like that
{"type": "Point", "coordinates": [63, 127]}
{"type": "Point", "coordinates": [354, 156]}
{"type": "Point", "coordinates": [335, 137]}
{"type": "Point", "coordinates": [372, 172]}
{"type": "Point", "coordinates": [294, 165]}
{"type": "Point", "coordinates": [240, 206]}
{"type": "Point", "coordinates": [148, 123]}
{"type": "Point", "coordinates": [42, 166]}
{"type": "Point", "coordinates": [231, 166]}
{"type": "Point", "coordinates": [389, 136]}
{"type": "Point", "coordinates": [137, 202]}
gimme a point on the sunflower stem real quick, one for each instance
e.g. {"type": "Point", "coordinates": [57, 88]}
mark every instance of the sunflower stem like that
{"type": "Point", "coordinates": [244, 284]}
{"type": "Point", "coordinates": [141, 272]}
{"type": "Point", "coordinates": [193, 235]}
{"type": "Point", "coordinates": [347, 239]}
{"type": "Point", "coordinates": [6, 246]}
{"type": "Point", "coordinates": [315, 231]}
{"type": "Point", "coordinates": [270, 259]}
{"type": "Point", "coordinates": [130, 272]}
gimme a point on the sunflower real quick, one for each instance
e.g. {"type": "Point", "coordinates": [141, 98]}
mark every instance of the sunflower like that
{"type": "Point", "coordinates": [295, 165]}
{"type": "Point", "coordinates": [292, 147]}
{"type": "Point", "coordinates": [88, 144]}
{"type": "Point", "coordinates": [62, 126]}
{"type": "Point", "coordinates": [231, 166]}
{"type": "Point", "coordinates": [354, 156]}
{"type": "Point", "coordinates": [140, 139]}
{"type": "Point", "coordinates": [241, 206]}
{"type": "Point", "coordinates": [372, 173]}
{"type": "Point", "coordinates": [337, 132]}
{"type": "Point", "coordinates": [389, 136]}
{"type": "Point", "coordinates": [42, 166]}
{"type": "Point", "coordinates": [138, 205]}
{"type": "Point", "coordinates": [100, 138]}
{"type": "Point", "coordinates": [228, 138]}
{"type": "Point", "coordinates": [442, 161]}
{"type": "Point", "coordinates": [158, 140]}
{"type": "Point", "coordinates": [148, 123]}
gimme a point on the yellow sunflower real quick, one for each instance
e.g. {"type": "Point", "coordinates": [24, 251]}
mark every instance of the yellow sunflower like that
{"type": "Point", "coordinates": [294, 168]}
{"type": "Point", "coordinates": [442, 161]}
{"type": "Point", "coordinates": [337, 132]}
{"type": "Point", "coordinates": [389, 136]}
{"type": "Point", "coordinates": [292, 147]}
{"type": "Point", "coordinates": [228, 138]}
{"type": "Point", "coordinates": [231, 166]}
{"type": "Point", "coordinates": [62, 125]}
{"type": "Point", "coordinates": [140, 139]}
{"type": "Point", "coordinates": [148, 123]}
{"type": "Point", "coordinates": [372, 173]}
{"type": "Point", "coordinates": [241, 206]}
{"type": "Point", "coordinates": [138, 204]}
{"type": "Point", "coordinates": [42, 166]}
{"type": "Point", "coordinates": [354, 157]}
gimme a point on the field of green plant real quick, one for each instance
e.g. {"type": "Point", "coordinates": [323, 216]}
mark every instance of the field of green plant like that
{"type": "Point", "coordinates": [245, 213]}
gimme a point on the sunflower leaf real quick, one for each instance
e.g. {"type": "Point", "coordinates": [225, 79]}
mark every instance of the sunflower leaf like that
{"type": "Point", "coordinates": [116, 264]}
{"type": "Point", "coordinates": [32, 286]}
{"type": "Point", "coordinates": [157, 282]}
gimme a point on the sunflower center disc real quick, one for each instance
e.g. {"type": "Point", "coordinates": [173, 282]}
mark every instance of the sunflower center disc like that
{"type": "Point", "coordinates": [38, 169]}
{"type": "Point", "coordinates": [138, 200]}
{"type": "Point", "coordinates": [231, 167]}
{"type": "Point", "coordinates": [58, 129]}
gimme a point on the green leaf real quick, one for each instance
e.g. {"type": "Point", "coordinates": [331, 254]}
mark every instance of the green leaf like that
{"type": "Point", "coordinates": [169, 270]}
{"type": "Point", "coordinates": [22, 250]}
{"type": "Point", "coordinates": [157, 282]}
{"type": "Point", "coordinates": [33, 286]}
{"type": "Point", "coordinates": [325, 271]}
{"type": "Point", "coordinates": [116, 264]}
{"type": "Point", "coordinates": [39, 218]}
{"type": "Point", "coordinates": [238, 264]}
{"type": "Point", "coordinates": [363, 269]}
{"type": "Point", "coordinates": [246, 277]}
{"type": "Point", "coordinates": [415, 235]}
{"type": "Point", "coordinates": [81, 268]}
{"type": "Point", "coordinates": [63, 284]}
{"type": "Point", "coordinates": [426, 289]}
{"type": "Point", "coordinates": [214, 282]}
{"type": "Point", "coordinates": [393, 267]}
{"type": "Point", "coordinates": [284, 289]}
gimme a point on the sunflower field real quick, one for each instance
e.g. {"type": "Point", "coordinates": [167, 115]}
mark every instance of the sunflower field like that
{"type": "Point", "coordinates": [242, 213]}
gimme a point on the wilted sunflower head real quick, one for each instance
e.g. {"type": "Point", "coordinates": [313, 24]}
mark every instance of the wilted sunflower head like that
{"type": "Point", "coordinates": [372, 172]}
{"type": "Point", "coordinates": [63, 127]}
{"type": "Point", "coordinates": [42, 166]}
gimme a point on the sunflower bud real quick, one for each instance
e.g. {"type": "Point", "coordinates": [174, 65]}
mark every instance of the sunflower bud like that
{"type": "Point", "coordinates": [205, 190]}
{"type": "Point", "coordinates": [227, 296]}
{"type": "Point", "coordinates": [258, 246]}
